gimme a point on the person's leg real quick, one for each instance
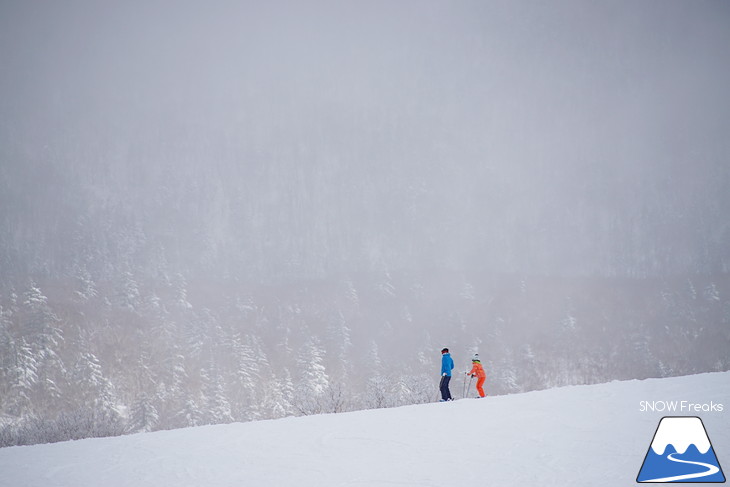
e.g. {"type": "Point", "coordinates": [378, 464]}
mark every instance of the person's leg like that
{"type": "Point", "coordinates": [443, 387]}
{"type": "Point", "coordinates": [447, 379]}
{"type": "Point", "coordinates": [480, 389]}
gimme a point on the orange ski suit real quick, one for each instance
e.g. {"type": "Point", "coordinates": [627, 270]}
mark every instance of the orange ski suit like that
{"type": "Point", "coordinates": [478, 370]}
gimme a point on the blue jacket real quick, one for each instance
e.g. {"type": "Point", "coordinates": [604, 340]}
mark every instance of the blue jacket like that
{"type": "Point", "coordinates": [447, 364]}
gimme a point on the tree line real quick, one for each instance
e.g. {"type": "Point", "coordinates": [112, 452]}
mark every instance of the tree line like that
{"type": "Point", "coordinates": [86, 358]}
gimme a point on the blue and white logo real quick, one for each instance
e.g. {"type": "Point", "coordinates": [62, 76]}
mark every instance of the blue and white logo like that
{"type": "Point", "coordinates": [681, 452]}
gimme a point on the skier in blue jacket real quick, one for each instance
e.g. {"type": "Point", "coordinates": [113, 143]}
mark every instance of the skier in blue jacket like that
{"type": "Point", "coordinates": [447, 365]}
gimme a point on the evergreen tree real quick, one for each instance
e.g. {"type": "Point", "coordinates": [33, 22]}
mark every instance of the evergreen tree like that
{"type": "Point", "coordinates": [177, 389]}
{"type": "Point", "coordinates": [217, 406]}
{"type": "Point", "coordinates": [128, 294]}
{"type": "Point", "coordinates": [85, 285]}
{"type": "Point", "coordinates": [7, 354]}
{"type": "Point", "coordinates": [145, 390]}
{"type": "Point", "coordinates": [247, 380]}
{"type": "Point", "coordinates": [340, 343]}
{"type": "Point", "coordinates": [386, 286]}
{"type": "Point", "coordinates": [44, 337]}
{"type": "Point", "coordinates": [144, 415]}
{"type": "Point", "coordinates": [528, 375]}
{"type": "Point", "coordinates": [22, 377]}
{"type": "Point", "coordinates": [286, 386]}
{"type": "Point", "coordinates": [93, 389]}
{"type": "Point", "coordinates": [313, 379]}
{"type": "Point", "coordinates": [351, 293]}
{"type": "Point", "coordinates": [180, 285]}
{"type": "Point", "coordinates": [378, 387]}
{"type": "Point", "coordinates": [190, 414]}
{"type": "Point", "coordinates": [711, 293]}
{"type": "Point", "coordinates": [278, 396]}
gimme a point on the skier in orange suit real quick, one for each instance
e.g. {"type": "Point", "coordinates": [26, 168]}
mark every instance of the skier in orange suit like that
{"type": "Point", "coordinates": [478, 371]}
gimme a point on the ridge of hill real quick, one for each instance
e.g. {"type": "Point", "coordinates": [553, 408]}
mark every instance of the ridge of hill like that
{"type": "Point", "coordinates": [579, 435]}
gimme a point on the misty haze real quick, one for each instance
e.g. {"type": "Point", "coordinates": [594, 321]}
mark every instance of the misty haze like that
{"type": "Point", "coordinates": [235, 210]}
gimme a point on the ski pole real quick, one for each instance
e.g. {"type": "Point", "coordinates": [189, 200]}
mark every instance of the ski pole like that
{"type": "Point", "coordinates": [470, 381]}
{"type": "Point", "coordinates": [463, 389]}
{"type": "Point", "coordinates": [441, 385]}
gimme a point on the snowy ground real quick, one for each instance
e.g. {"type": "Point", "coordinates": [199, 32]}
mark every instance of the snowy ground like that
{"type": "Point", "coordinates": [588, 436]}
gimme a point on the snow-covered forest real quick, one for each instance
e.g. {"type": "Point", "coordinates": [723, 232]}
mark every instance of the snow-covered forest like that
{"type": "Point", "coordinates": [251, 211]}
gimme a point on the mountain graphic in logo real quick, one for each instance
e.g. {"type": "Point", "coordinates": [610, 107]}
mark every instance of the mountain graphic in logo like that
{"type": "Point", "coordinates": [681, 452]}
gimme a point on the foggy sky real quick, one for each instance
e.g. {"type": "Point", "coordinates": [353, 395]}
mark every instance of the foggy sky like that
{"type": "Point", "coordinates": [517, 136]}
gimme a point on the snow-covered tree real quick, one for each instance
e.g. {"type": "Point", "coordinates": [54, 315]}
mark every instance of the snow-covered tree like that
{"type": "Point", "coordinates": [340, 346]}
{"type": "Point", "coordinates": [144, 416]}
{"type": "Point", "coordinates": [22, 378]}
{"type": "Point", "coordinates": [180, 285]}
{"type": "Point", "coordinates": [177, 386]}
{"type": "Point", "coordinates": [217, 407]}
{"type": "Point", "coordinates": [528, 374]}
{"type": "Point", "coordinates": [247, 379]}
{"type": "Point", "coordinates": [691, 290]}
{"type": "Point", "coordinates": [93, 389]}
{"type": "Point", "coordinates": [351, 293]}
{"type": "Point", "coordinates": [286, 384]}
{"type": "Point", "coordinates": [128, 294]}
{"type": "Point", "coordinates": [190, 414]}
{"type": "Point", "coordinates": [313, 379]}
{"type": "Point", "coordinates": [467, 292]}
{"type": "Point", "coordinates": [414, 388]}
{"type": "Point", "coordinates": [85, 285]}
{"type": "Point", "coordinates": [43, 337]}
{"type": "Point", "coordinates": [378, 386]}
{"type": "Point", "coordinates": [711, 293]}
{"type": "Point", "coordinates": [278, 397]}
{"type": "Point", "coordinates": [386, 286]}
{"type": "Point", "coordinates": [7, 357]}
{"type": "Point", "coordinates": [378, 392]}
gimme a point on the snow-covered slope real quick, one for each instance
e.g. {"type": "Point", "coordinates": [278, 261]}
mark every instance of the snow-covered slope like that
{"type": "Point", "coordinates": [584, 435]}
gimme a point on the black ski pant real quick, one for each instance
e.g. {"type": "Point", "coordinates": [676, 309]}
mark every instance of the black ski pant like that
{"type": "Point", "coordinates": [445, 392]}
